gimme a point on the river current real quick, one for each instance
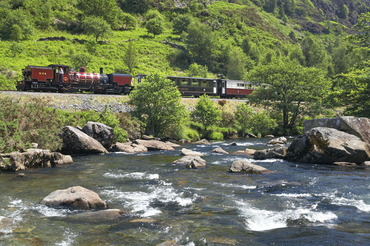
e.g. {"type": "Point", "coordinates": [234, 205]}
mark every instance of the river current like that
{"type": "Point", "coordinates": [298, 204]}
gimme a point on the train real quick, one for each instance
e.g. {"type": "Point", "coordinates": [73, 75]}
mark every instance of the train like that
{"type": "Point", "coordinates": [61, 78]}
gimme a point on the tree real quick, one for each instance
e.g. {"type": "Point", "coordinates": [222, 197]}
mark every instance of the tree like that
{"type": "Point", "coordinates": [314, 52]}
{"type": "Point", "coordinates": [205, 112]}
{"type": "Point", "coordinates": [200, 42]}
{"type": "Point", "coordinates": [130, 57]}
{"type": "Point", "coordinates": [126, 21]}
{"type": "Point", "coordinates": [292, 91]}
{"type": "Point", "coordinates": [157, 103]}
{"type": "Point", "coordinates": [181, 23]}
{"type": "Point", "coordinates": [155, 26]}
{"type": "Point", "coordinates": [106, 9]}
{"type": "Point", "coordinates": [243, 117]}
{"type": "Point", "coordinates": [15, 25]}
{"type": "Point", "coordinates": [96, 26]}
{"type": "Point", "coordinates": [236, 64]}
{"type": "Point", "coordinates": [196, 70]}
{"type": "Point", "coordinates": [80, 60]}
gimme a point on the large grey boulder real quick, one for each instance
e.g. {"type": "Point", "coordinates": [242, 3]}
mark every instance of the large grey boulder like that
{"type": "Point", "coordinates": [101, 132]}
{"type": "Point", "coordinates": [78, 142]}
{"type": "Point", "coordinates": [195, 163]}
{"type": "Point", "coordinates": [188, 152]}
{"type": "Point", "coordinates": [274, 153]}
{"type": "Point", "coordinates": [33, 158]}
{"type": "Point", "coordinates": [244, 166]}
{"type": "Point", "coordinates": [75, 197]}
{"type": "Point", "coordinates": [154, 144]}
{"type": "Point", "coordinates": [359, 127]}
{"type": "Point", "coordinates": [128, 147]}
{"type": "Point", "coordinates": [327, 145]}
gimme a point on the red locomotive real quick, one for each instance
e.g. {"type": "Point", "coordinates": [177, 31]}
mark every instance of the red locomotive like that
{"type": "Point", "coordinates": [51, 78]}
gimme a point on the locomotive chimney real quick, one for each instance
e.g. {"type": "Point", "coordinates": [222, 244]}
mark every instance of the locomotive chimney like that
{"type": "Point", "coordinates": [101, 70]}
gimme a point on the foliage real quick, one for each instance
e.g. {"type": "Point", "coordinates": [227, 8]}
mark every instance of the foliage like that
{"type": "Point", "coordinates": [236, 65]}
{"type": "Point", "coordinates": [155, 26]}
{"type": "Point", "coordinates": [157, 103]}
{"type": "Point", "coordinates": [243, 118]}
{"type": "Point", "coordinates": [181, 23]}
{"type": "Point", "coordinates": [196, 70]}
{"type": "Point", "coordinates": [205, 112]}
{"type": "Point", "coordinates": [262, 124]}
{"type": "Point", "coordinates": [97, 27]}
{"type": "Point", "coordinates": [15, 26]}
{"type": "Point", "coordinates": [80, 60]}
{"type": "Point", "coordinates": [126, 21]}
{"type": "Point", "coordinates": [130, 58]}
{"type": "Point", "coordinates": [289, 88]}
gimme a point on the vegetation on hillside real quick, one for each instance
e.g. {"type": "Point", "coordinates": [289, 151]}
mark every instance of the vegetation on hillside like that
{"type": "Point", "coordinates": [327, 41]}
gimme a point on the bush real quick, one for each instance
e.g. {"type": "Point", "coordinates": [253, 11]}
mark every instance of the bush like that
{"type": "Point", "coordinates": [216, 136]}
{"type": "Point", "coordinates": [262, 124]}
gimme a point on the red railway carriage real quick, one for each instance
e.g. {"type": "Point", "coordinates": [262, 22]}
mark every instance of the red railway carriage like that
{"type": "Point", "coordinates": [236, 88]}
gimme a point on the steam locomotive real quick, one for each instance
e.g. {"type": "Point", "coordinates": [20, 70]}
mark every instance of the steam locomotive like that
{"type": "Point", "coordinates": [51, 78]}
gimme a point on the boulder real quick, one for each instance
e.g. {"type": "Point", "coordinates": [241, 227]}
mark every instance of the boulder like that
{"type": "Point", "coordinates": [188, 152]}
{"type": "Point", "coordinates": [220, 151]}
{"type": "Point", "coordinates": [101, 132]}
{"type": "Point", "coordinates": [175, 145]}
{"type": "Point", "coordinates": [78, 142]}
{"type": "Point", "coordinates": [203, 141]}
{"type": "Point", "coordinates": [245, 152]}
{"type": "Point", "coordinates": [186, 160]}
{"type": "Point", "coordinates": [273, 186]}
{"type": "Point", "coordinates": [106, 215]}
{"type": "Point", "coordinates": [195, 163]}
{"type": "Point", "coordinates": [33, 158]}
{"type": "Point", "coordinates": [154, 144]}
{"type": "Point", "coordinates": [128, 147]}
{"type": "Point", "coordinates": [274, 153]}
{"type": "Point", "coordinates": [75, 197]}
{"type": "Point", "coordinates": [243, 166]}
{"type": "Point", "coordinates": [280, 140]}
{"type": "Point", "coordinates": [233, 144]}
{"type": "Point", "coordinates": [327, 145]}
{"type": "Point", "coordinates": [359, 127]}
{"type": "Point", "coordinates": [366, 163]}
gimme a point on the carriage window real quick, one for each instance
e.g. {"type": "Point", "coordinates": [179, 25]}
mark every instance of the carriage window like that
{"type": "Point", "coordinates": [194, 83]}
{"type": "Point", "coordinates": [205, 84]}
{"type": "Point", "coordinates": [184, 82]}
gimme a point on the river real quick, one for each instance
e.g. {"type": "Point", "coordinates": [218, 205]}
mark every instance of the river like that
{"type": "Point", "coordinates": [298, 204]}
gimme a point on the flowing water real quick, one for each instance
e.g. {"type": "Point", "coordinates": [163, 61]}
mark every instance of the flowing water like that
{"type": "Point", "coordinates": [298, 204]}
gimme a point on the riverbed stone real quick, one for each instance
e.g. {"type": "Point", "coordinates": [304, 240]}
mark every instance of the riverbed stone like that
{"type": "Point", "coordinates": [244, 166]}
{"type": "Point", "coordinates": [33, 158]}
{"type": "Point", "coordinates": [195, 163]}
{"type": "Point", "coordinates": [76, 197]}
{"type": "Point", "coordinates": [78, 142]}
{"type": "Point", "coordinates": [101, 132]}
{"type": "Point", "coordinates": [358, 126]}
{"type": "Point", "coordinates": [5, 223]}
{"type": "Point", "coordinates": [186, 160]}
{"type": "Point", "coordinates": [219, 150]}
{"type": "Point", "coordinates": [99, 216]}
{"type": "Point", "coordinates": [324, 145]}
{"type": "Point", "coordinates": [274, 153]}
{"type": "Point", "coordinates": [188, 152]}
{"type": "Point", "coordinates": [128, 147]}
{"type": "Point", "coordinates": [203, 141]}
{"type": "Point", "coordinates": [280, 140]}
{"type": "Point", "coordinates": [154, 144]}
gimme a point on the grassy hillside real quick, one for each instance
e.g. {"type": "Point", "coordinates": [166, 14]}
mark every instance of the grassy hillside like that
{"type": "Point", "coordinates": [258, 30]}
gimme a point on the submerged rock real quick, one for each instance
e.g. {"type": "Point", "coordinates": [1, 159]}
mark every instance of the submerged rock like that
{"type": "Point", "coordinates": [101, 132]}
{"type": "Point", "coordinates": [128, 147]}
{"type": "Point", "coordinates": [5, 223]}
{"type": "Point", "coordinates": [275, 153]}
{"type": "Point", "coordinates": [154, 144]}
{"type": "Point", "coordinates": [75, 197]}
{"type": "Point", "coordinates": [106, 215]}
{"type": "Point", "coordinates": [220, 151]}
{"type": "Point", "coordinates": [32, 158]}
{"type": "Point", "coordinates": [243, 166]}
{"type": "Point", "coordinates": [78, 142]}
{"type": "Point", "coordinates": [188, 152]}
{"type": "Point", "coordinates": [327, 145]}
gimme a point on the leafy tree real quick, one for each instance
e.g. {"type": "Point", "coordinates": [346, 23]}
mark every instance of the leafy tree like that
{"type": "Point", "coordinates": [41, 11]}
{"type": "Point", "coordinates": [314, 52]}
{"type": "Point", "coordinates": [200, 42]}
{"type": "Point", "coordinates": [236, 64]}
{"type": "Point", "coordinates": [243, 117]}
{"type": "Point", "coordinates": [157, 103]}
{"type": "Point", "coordinates": [106, 9]}
{"type": "Point", "coordinates": [155, 26]}
{"type": "Point", "coordinates": [130, 58]}
{"type": "Point", "coordinates": [9, 26]}
{"type": "Point", "coordinates": [153, 14]}
{"type": "Point", "coordinates": [126, 21]}
{"type": "Point", "coordinates": [205, 112]}
{"type": "Point", "coordinates": [136, 6]}
{"type": "Point", "coordinates": [181, 23]}
{"type": "Point", "coordinates": [196, 70]}
{"type": "Point", "coordinates": [80, 60]}
{"type": "Point", "coordinates": [96, 26]}
{"type": "Point", "coordinates": [291, 89]}
{"type": "Point", "coordinates": [262, 124]}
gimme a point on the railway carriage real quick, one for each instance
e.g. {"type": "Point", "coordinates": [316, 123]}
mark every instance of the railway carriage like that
{"type": "Point", "coordinates": [190, 86]}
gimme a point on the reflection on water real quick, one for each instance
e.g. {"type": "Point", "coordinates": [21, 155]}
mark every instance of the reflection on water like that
{"type": "Point", "coordinates": [298, 204]}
